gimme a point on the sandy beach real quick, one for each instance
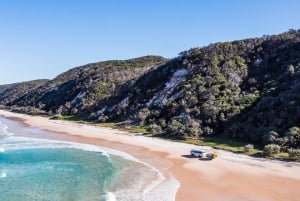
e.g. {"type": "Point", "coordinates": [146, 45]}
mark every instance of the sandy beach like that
{"type": "Point", "coordinates": [228, 177]}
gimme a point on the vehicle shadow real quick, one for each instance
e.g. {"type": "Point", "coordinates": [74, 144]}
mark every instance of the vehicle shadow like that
{"type": "Point", "coordinates": [204, 159]}
{"type": "Point", "coordinates": [191, 156]}
{"type": "Point", "coordinates": [188, 156]}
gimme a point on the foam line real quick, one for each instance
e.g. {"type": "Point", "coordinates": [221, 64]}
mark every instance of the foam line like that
{"type": "Point", "coordinates": [110, 197]}
{"type": "Point", "coordinates": [2, 175]}
{"type": "Point", "coordinates": [3, 131]}
{"type": "Point", "coordinates": [15, 143]}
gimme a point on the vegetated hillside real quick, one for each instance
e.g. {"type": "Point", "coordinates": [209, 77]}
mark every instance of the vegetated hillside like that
{"type": "Point", "coordinates": [79, 88]}
{"type": "Point", "coordinates": [246, 89]}
{"type": "Point", "coordinates": [10, 92]}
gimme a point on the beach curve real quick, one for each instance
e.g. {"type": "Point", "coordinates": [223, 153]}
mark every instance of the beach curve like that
{"type": "Point", "coordinates": [229, 177]}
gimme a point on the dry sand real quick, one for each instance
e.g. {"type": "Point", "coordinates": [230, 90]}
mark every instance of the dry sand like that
{"type": "Point", "coordinates": [228, 177]}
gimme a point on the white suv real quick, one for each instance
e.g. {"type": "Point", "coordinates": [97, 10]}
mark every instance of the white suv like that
{"type": "Point", "coordinates": [196, 153]}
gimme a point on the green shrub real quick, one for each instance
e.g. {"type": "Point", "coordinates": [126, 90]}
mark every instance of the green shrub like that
{"type": "Point", "coordinates": [248, 147]}
{"type": "Point", "coordinates": [154, 128]}
{"type": "Point", "coordinates": [271, 149]}
{"type": "Point", "coordinates": [294, 154]}
{"type": "Point", "coordinates": [176, 128]}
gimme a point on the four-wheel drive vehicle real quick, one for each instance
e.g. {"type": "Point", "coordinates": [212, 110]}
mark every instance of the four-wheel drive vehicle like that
{"type": "Point", "coordinates": [196, 153]}
{"type": "Point", "coordinates": [201, 154]}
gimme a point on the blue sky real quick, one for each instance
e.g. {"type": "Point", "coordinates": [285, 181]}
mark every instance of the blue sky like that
{"type": "Point", "coordinates": [43, 38]}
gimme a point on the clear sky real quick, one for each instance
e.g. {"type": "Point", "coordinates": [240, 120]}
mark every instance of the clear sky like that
{"type": "Point", "coordinates": [43, 38]}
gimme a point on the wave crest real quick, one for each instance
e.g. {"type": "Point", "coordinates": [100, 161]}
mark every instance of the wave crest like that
{"type": "Point", "coordinates": [17, 143]}
{"type": "Point", "coordinates": [3, 131]}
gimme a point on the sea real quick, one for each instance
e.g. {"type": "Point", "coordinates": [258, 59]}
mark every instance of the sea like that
{"type": "Point", "coordinates": [33, 169]}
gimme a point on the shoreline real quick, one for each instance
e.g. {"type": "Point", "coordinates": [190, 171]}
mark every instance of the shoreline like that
{"type": "Point", "coordinates": [229, 177]}
{"type": "Point", "coordinates": [151, 189]}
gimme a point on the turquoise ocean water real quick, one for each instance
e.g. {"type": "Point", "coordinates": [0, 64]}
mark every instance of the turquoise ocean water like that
{"type": "Point", "coordinates": [36, 169]}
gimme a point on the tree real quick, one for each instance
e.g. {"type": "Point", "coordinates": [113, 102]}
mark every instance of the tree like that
{"type": "Point", "coordinates": [293, 135]}
{"type": "Point", "coordinates": [142, 115]}
{"type": "Point", "coordinates": [270, 137]}
{"type": "Point", "coordinates": [290, 69]}
{"type": "Point", "coordinates": [176, 128]}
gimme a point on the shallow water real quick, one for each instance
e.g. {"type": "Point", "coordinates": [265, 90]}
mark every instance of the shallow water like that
{"type": "Point", "coordinates": [54, 174]}
{"type": "Point", "coordinates": [38, 169]}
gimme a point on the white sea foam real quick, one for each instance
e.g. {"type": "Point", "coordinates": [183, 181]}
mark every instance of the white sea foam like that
{"type": "Point", "coordinates": [15, 143]}
{"type": "Point", "coordinates": [153, 191]}
{"type": "Point", "coordinates": [2, 149]}
{"type": "Point", "coordinates": [110, 197]}
{"type": "Point", "coordinates": [3, 131]}
{"type": "Point", "coordinates": [2, 175]}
